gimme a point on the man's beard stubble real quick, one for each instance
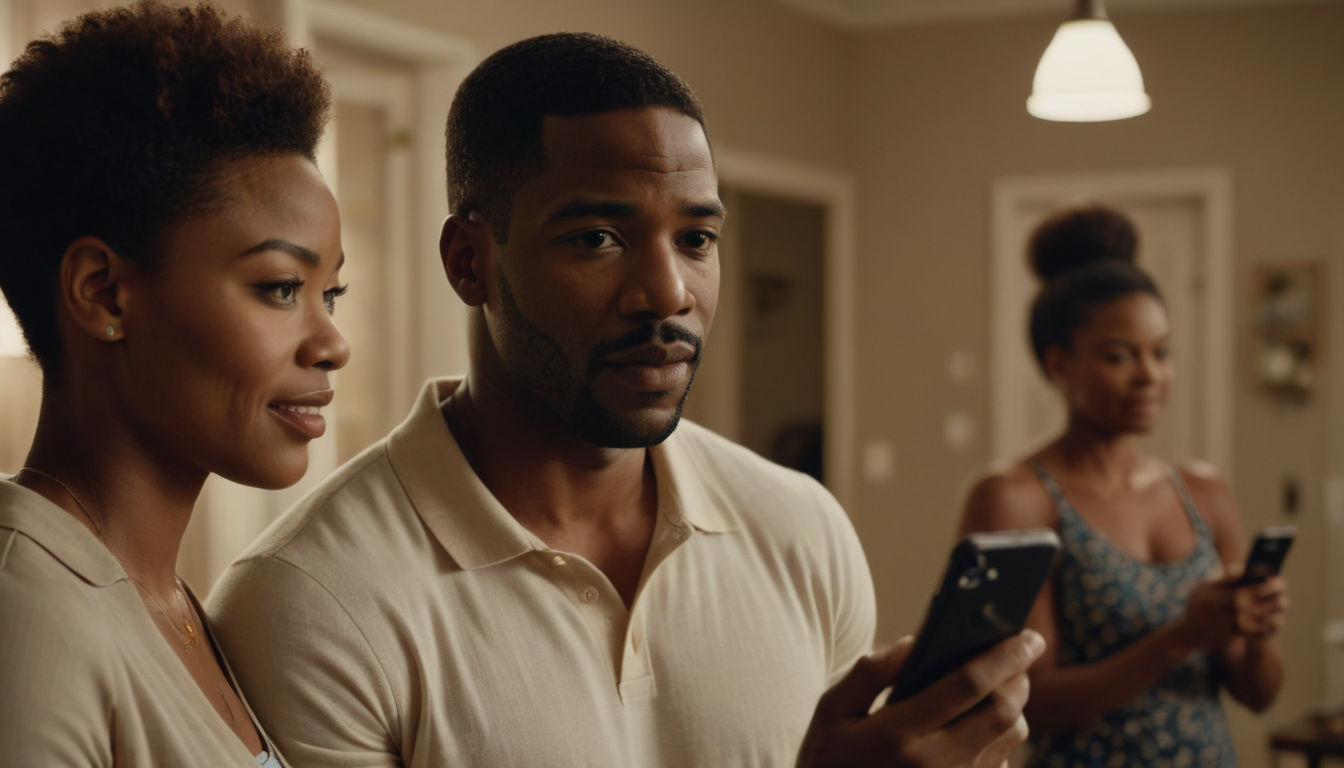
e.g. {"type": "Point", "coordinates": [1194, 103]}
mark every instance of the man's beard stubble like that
{"type": "Point", "coordinates": [543, 368]}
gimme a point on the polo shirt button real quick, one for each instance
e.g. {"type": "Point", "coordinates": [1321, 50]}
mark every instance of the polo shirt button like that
{"type": "Point", "coordinates": [588, 595]}
{"type": "Point", "coordinates": [557, 561]}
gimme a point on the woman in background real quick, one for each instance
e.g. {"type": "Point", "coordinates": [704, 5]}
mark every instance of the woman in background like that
{"type": "Point", "coordinates": [172, 256]}
{"type": "Point", "coordinates": [1143, 619]}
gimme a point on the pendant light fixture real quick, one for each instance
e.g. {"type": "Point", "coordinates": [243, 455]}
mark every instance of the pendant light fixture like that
{"type": "Point", "coordinates": [1087, 73]}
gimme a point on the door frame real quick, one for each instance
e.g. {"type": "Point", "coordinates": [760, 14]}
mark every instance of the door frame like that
{"type": "Point", "coordinates": [835, 193]}
{"type": "Point", "coordinates": [440, 62]}
{"type": "Point", "coordinates": [1333, 492]}
{"type": "Point", "coordinates": [1210, 188]}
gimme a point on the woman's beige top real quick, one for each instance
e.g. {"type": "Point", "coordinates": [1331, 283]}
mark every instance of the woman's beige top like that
{"type": "Point", "coordinates": [86, 678]}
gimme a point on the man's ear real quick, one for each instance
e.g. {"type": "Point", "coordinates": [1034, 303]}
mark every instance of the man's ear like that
{"type": "Point", "coordinates": [465, 246]}
{"type": "Point", "coordinates": [92, 277]}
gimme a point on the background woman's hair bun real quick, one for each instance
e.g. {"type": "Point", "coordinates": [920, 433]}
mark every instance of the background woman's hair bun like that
{"type": "Point", "coordinates": [1080, 236]}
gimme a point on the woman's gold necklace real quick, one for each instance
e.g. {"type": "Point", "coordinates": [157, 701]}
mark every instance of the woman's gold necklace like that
{"type": "Point", "coordinates": [186, 628]}
{"type": "Point", "coordinates": [192, 640]}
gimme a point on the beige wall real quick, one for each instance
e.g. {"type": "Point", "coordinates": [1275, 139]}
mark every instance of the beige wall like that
{"type": "Point", "coordinates": [769, 78]}
{"type": "Point", "coordinates": [941, 115]}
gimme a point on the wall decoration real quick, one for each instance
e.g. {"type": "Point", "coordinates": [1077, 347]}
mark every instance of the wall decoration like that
{"type": "Point", "coordinates": [1286, 317]}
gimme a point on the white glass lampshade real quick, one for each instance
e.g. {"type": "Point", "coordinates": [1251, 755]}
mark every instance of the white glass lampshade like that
{"type": "Point", "coordinates": [11, 339]}
{"type": "Point", "coordinates": [1087, 74]}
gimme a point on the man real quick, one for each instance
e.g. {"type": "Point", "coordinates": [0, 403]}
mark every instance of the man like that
{"type": "Point", "coordinates": [539, 568]}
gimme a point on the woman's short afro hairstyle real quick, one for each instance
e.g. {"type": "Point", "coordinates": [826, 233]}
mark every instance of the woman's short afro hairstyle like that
{"type": "Point", "coordinates": [119, 126]}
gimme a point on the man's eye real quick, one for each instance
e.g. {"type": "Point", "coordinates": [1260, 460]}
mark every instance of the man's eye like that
{"type": "Point", "coordinates": [698, 240]}
{"type": "Point", "coordinates": [598, 238]}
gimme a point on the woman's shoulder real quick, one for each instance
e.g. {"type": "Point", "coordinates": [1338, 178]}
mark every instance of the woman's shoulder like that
{"type": "Point", "coordinates": [1008, 496]}
{"type": "Point", "coordinates": [1201, 477]}
{"type": "Point", "coordinates": [40, 597]}
{"type": "Point", "coordinates": [49, 589]}
{"type": "Point", "coordinates": [1209, 492]}
{"type": "Point", "coordinates": [57, 668]}
{"type": "Point", "coordinates": [54, 640]}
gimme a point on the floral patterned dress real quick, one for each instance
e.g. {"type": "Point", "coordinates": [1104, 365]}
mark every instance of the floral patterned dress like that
{"type": "Point", "coordinates": [1106, 600]}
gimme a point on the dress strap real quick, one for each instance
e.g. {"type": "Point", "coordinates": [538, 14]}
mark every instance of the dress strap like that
{"type": "Point", "coordinates": [1196, 519]}
{"type": "Point", "coordinates": [1051, 487]}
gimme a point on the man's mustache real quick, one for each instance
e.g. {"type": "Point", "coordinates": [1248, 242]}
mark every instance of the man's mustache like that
{"type": "Point", "coordinates": [667, 333]}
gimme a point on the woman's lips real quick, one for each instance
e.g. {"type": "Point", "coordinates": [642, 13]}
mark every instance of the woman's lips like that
{"type": "Point", "coordinates": [1144, 408]}
{"type": "Point", "coordinates": [307, 419]}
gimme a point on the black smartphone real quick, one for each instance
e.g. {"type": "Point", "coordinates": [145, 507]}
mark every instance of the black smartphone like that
{"type": "Point", "coordinates": [1267, 554]}
{"type": "Point", "coordinates": [991, 583]}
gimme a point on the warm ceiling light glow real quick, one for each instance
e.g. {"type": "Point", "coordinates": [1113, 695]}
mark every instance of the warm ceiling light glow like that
{"type": "Point", "coordinates": [1087, 74]}
{"type": "Point", "coordinates": [11, 340]}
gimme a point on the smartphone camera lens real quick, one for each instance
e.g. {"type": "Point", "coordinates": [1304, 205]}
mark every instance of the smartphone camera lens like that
{"type": "Point", "coordinates": [970, 578]}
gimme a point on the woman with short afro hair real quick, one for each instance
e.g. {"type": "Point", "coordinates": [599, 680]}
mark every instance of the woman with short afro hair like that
{"type": "Point", "coordinates": [172, 255]}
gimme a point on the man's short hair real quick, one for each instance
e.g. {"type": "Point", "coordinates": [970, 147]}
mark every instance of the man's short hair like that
{"type": "Point", "coordinates": [494, 126]}
{"type": "Point", "coordinates": [121, 125]}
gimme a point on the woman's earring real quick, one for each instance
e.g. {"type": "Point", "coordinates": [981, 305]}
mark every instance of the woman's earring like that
{"type": "Point", "coordinates": [111, 331]}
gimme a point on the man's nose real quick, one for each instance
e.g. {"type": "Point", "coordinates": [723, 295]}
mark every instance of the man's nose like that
{"type": "Point", "coordinates": [655, 285]}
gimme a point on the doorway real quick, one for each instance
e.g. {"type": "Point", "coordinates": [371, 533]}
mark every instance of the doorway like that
{"type": "Point", "coordinates": [762, 379]}
{"type": "Point", "coordinates": [719, 387]}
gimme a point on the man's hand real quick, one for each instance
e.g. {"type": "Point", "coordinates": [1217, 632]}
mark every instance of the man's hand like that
{"type": "Point", "coordinates": [940, 727]}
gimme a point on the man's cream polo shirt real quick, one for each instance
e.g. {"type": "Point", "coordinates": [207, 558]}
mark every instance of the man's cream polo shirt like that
{"type": "Point", "coordinates": [400, 616]}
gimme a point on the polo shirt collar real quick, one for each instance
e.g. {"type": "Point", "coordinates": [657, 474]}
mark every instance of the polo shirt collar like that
{"type": "Point", "coordinates": [64, 537]}
{"type": "Point", "coordinates": [682, 492]}
{"type": "Point", "coordinates": [470, 523]}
